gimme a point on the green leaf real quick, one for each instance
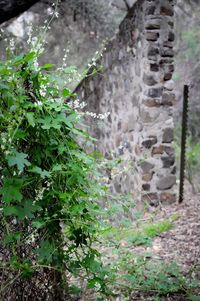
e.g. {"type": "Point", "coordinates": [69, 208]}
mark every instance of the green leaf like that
{"type": "Point", "coordinates": [194, 298]}
{"type": "Point", "coordinates": [18, 159]}
{"type": "Point", "coordinates": [50, 122]}
{"type": "Point", "coordinates": [43, 173]}
{"type": "Point", "coordinates": [47, 66]}
{"type": "Point", "coordinates": [18, 59]}
{"type": "Point", "coordinates": [27, 270]}
{"type": "Point", "coordinates": [11, 190]}
{"type": "Point", "coordinates": [29, 56]}
{"type": "Point", "coordinates": [66, 92]}
{"type": "Point", "coordinates": [45, 251]}
{"type": "Point", "coordinates": [31, 119]}
{"type": "Point", "coordinates": [27, 209]}
{"type": "Point", "coordinates": [12, 238]}
{"type": "Point", "coordinates": [38, 224]}
{"type": "Point", "coordinates": [10, 210]}
{"type": "Point", "coordinates": [73, 289]}
{"type": "Point", "coordinates": [93, 282]}
{"type": "Point", "coordinates": [57, 167]}
{"type": "Point", "coordinates": [90, 263]}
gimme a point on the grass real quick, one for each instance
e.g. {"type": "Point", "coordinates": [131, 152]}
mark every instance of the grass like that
{"type": "Point", "coordinates": [141, 234]}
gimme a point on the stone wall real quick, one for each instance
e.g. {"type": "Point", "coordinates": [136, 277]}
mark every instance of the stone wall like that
{"type": "Point", "coordinates": [136, 87]}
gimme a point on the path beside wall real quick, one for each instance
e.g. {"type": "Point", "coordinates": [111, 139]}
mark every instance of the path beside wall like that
{"type": "Point", "coordinates": [136, 87]}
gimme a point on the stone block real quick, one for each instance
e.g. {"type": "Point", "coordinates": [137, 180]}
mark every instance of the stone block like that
{"type": "Point", "coordinates": [169, 198]}
{"type": "Point", "coordinates": [169, 85]}
{"type": "Point", "coordinates": [168, 44]}
{"type": "Point", "coordinates": [152, 52]}
{"type": "Point", "coordinates": [168, 99]}
{"type": "Point", "coordinates": [151, 198]}
{"type": "Point", "coordinates": [167, 52]}
{"type": "Point", "coordinates": [165, 62]}
{"type": "Point", "coordinates": [154, 67]}
{"type": "Point", "coordinates": [150, 10]}
{"type": "Point", "coordinates": [138, 150]}
{"type": "Point", "coordinates": [147, 177]}
{"type": "Point", "coordinates": [152, 102]}
{"type": "Point", "coordinates": [158, 150]}
{"type": "Point", "coordinates": [149, 80]}
{"type": "Point", "coordinates": [166, 182]}
{"type": "Point", "coordinates": [152, 36]}
{"type": "Point", "coordinates": [148, 143]}
{"type": "Point", "coordinates": [155, 92]}
{"type": "Point", "coordinates": [147, 115]}
{"type": "Point", "coordinates": [168, 161]}
{"type": "Point", "coordinates": [153, 24]}
{"type": "Point", "coordinates": [168, 135]}
{"type": "Point", "coordinates": [146, 166]}
{"type": "Point", "coordinates": [169, 150]}
{"type": "Point", "coordinates": [173, 171]}
{"type": "Point", "coordinates": [146, 187]}
{"type": "Point", "coordinates": [166, 10]}
{"type": "Point", "coordinates": [168, 71]}
{"type": "Point", "coordinates": [171, 36]}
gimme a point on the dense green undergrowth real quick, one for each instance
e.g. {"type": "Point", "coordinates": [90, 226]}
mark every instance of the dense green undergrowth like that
{"type": "Point", "coordinates": [48, 191]}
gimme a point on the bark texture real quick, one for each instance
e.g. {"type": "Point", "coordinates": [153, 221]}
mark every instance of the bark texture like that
{"type": "Point", "coordinates": [12, 8]}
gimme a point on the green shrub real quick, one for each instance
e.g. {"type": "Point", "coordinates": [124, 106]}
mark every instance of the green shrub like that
{"type": "Point", "coordinates": [48, 192]}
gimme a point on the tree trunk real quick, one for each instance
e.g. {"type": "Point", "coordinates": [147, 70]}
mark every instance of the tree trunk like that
{"type": "Point", "coordinates": [12, 8]}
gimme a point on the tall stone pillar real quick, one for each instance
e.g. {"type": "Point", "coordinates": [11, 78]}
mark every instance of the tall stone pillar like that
{"type": "Point", "coordinates": [157, 159]}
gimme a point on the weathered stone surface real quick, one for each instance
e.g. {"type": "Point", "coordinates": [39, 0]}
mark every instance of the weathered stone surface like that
{"type": "Point", "coordinates": [154, 67]}
{"type": "Point", "coordinates": [150, 10]}
{"type": "Point", "coordinates": [151, 198]}
{"type": "Point", "coordinates": [138, 150]}
{"type": "Point", "coordinates": [146, 166]}
{"type": "Point", "coordinates": [148, 116]}
{"type": "Point", "coordinates": [166, 182]}
{"type": "Point", "coordinates": [167, 52]}
{"type": "Point", "coordinates": [152, 52]}
{"type": "Point", "coordinates": [168, 73]}
{"type": "Point", "coordinates": [146, 187]}
{"type": "Point", "coordinates": [148, 143]}
{"type": "Point", "coordinates": [165, 62]}
{"type": "Point", "coordinates": [169, 85]}
{"type": "Point", "coordinates": [152, 102]}
{"type": "Point", "coordinates": [168, 99]}
{"type": "Point", "coordinates": [169, 150]}
{"type": "Point", "coordinates": [152, 36]}
{"type": "Point", "coordinates": [166, 197]}
{"type": "Point", "coordinates": [168, 161]}
{"type": "Point", "coordinates": [168, 44]}
{"type": "Point", "coordinates": [155, 92]}
{"type": "Point", "coordinates": [147, 177]}
{"type": "Point", "coordinates": [153, 24]}
{"type": "Point", "coordinates": [149, 80]}
{"type": "Point", "coordinates": [168, 135]}
{"type": "Point", "coordinates": [158, 150]}
{"type": "Point", "coordinates": [171, 36]}
{"type": "Point", "coordinates": [136, 88]}
{"type": "Point", "coordinates": [166, 10]}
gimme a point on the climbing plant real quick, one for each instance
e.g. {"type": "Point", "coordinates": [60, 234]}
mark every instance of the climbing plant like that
{"type": "Point", "coordinates": [48, 192]}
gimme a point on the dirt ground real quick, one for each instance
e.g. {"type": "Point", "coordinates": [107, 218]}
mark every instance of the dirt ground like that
{"type": "Point", "coordinates": [181, 244]}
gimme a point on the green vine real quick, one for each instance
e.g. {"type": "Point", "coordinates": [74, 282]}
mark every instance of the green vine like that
{"type": "Point", "coordinates": [48, 194]}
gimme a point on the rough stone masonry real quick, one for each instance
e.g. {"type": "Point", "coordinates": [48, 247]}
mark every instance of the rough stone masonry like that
{"type": "Point", "coordinates": [136, 87]}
